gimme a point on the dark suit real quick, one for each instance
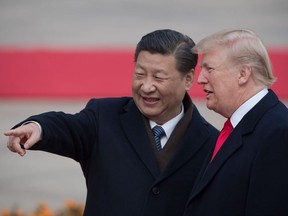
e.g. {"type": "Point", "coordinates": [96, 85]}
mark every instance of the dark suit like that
{"type": "Point", "coordinates": [249, 175]}
{"type": "Point", "coordinates": [109, 138]}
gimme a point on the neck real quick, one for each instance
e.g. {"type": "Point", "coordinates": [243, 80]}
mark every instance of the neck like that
{"type": "Point", "coordinates": [244, 95]}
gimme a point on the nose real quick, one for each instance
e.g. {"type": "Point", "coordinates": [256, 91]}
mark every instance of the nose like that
{"type": "Point", "coordinates": [148, 86]}
{"type": "Point", "coordinates": [201, 78]}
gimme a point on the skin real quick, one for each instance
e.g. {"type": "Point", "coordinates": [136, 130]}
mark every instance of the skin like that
{"type": "Point", "coordinates": [27, 135]}
{"type": "Point", "coordinates": [158, 88]}
{"type": "Point", "coordinates": [227, 86]}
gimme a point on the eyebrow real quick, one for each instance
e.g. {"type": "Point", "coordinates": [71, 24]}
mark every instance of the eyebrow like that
{"type": "Point", "coordinates": [203, 64]}
{"type": "Point", "coordinates": [156, 70]}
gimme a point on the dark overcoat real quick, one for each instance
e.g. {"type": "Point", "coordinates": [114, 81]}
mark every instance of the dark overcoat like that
{"type": "Point", "coordinates": [110, 141]}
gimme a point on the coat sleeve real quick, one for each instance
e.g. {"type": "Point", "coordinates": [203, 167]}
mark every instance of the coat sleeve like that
{"type": "Point", "coordinates": [69, 135]}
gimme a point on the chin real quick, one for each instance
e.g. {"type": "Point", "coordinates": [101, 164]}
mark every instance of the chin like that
{"type": "Point", "coordinates": [208, 105]}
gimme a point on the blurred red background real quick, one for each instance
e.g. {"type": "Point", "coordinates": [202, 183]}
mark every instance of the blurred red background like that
{"type": "Point", "coordinates": [58, 73]}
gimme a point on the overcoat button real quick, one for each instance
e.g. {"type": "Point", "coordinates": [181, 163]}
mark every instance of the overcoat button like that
{"type": "Point", "coordinates": [155, 190]}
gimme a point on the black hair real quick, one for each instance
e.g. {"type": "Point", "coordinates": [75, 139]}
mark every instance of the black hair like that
{"type": "Point", "coordinates": [170, 42]}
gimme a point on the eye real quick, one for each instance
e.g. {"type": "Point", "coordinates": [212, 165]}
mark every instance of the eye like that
{"type": "Point", "coordinates": [210, 69]}
{"type": "Point", "coordinates": [160, 78]}
{"type": "Point", "coordinates": [139, 74]}
{"type": "Point", "coordinates": [207, 68]}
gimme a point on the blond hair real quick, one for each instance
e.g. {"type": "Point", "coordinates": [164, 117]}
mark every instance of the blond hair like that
{"type": "Point", "coordinates": [244, 48]}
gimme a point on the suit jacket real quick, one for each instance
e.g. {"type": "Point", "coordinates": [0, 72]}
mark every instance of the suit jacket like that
{"type": "Point", "coordinates": [249, 175]}
{"type": "Point", "coordinates": [109, 139]}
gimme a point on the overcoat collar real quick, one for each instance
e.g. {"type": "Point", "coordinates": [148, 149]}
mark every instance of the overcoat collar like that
{"type": "Point", "coordinates": [134, 128]}
{"type": "Point", "coordinates": [194, 138]}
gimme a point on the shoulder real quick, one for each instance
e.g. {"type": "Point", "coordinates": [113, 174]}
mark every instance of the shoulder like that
{"type": "Point", "coordinates": [109, 102]}
{"type": "Point", "coordinates": [106, 108]}
{"type": "Point", "coordinates": [200, 121]}
{"type": "Point", "coordinates": [276, 115]}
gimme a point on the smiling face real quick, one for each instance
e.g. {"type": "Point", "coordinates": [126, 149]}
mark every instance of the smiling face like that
{"type": "Point", "coordinates": [158, 88]}
{"type": "Point", "coordinates": [220, 81]}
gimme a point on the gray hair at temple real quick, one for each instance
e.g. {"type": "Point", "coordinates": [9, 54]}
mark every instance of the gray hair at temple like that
{"type": "Point", "coordinates": [243, 47]}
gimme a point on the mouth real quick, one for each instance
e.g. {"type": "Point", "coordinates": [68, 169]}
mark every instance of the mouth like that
{"type": "Point", "coordinates": [150, 99]}
{"type": "Point", "coordinates": [208, 93]}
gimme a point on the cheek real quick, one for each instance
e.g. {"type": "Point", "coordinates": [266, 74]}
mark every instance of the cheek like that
{"type": "Point", "coordinates": [225, 93]}
{"type": "Point", "coordinates": [174, 95]}
{"type": "Point", "coordinates": [166, 89]}
{"type": "Point", "coordinates": [135, 84]}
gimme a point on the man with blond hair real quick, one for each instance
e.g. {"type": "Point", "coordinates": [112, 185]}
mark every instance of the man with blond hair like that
{"type": "Point", "coordinates": [247, 175]}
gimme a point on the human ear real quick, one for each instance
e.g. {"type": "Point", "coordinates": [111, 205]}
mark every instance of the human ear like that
{"type": "Point", "coordinates": [189, 78]}
{"type": "Point", "coordinates": [244, 75]}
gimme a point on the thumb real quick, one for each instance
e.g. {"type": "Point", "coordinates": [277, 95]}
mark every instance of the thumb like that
{"type": "Point", "coordinates": [28, 134]}
{"type": "Point", "coordinates": [34, 138]}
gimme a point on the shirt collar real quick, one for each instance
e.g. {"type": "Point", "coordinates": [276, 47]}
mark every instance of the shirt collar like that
{"type": "Point", "coordinates": [171, 124]}
{"type": "Point", "coordinates": [245, 107]}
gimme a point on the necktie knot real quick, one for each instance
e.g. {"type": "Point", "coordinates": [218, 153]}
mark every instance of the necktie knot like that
{"type": "Point", "coordinates": [227, 126]}
{"type": "Point", "coordinates": [225, 132]}
{"type": "Point", "coordinates": [158, 133]}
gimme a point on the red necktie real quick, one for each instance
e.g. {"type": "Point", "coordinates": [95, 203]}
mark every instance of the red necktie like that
{"type": "Point", "coordinates": [227, 129]}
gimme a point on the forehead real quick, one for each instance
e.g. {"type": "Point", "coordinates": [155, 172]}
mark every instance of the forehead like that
{"type": "Point", "coordinates": [213, 57]}
{"type": "Point", "coordinates": [147, 59]}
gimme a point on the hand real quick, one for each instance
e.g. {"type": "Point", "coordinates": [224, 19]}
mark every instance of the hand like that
{"type": "Point", "coordinates": [23, 137]}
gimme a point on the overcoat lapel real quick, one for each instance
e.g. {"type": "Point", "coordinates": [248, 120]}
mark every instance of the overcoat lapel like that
{"type": "Point", "coordinates": [231, 145]}
{"type": "Point", "coordinates": [134, 128]}
{"type": "Point", "coordinates": [195, 137]}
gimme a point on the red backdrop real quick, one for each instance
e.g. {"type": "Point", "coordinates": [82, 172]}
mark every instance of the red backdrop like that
{"type": "Point", "coordinates": [50, 73]}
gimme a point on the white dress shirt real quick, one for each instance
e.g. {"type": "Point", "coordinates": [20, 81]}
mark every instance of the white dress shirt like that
{"type": "Point", "coordinates": [168, 126]}
{"type": "Point", "coordinates": [245, 107]}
